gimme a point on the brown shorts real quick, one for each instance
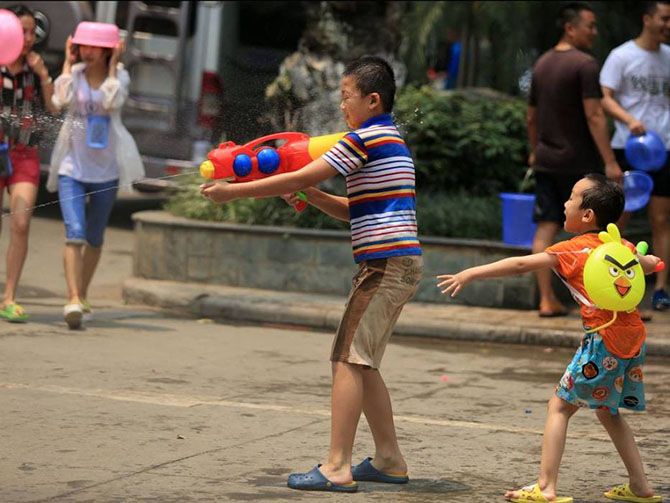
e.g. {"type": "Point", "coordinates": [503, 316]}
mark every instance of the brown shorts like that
{"type": "Point", "coordinates": [380, 290]}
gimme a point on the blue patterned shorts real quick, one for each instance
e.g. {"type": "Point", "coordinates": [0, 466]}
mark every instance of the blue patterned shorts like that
{"type": "Point", "coordinates": [596, 378]}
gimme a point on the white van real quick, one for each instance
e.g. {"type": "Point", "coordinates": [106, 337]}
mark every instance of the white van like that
{"type": "Point", "coordinates": [175, 106]}
{"type": "Point", "coordinates": [177, 55]}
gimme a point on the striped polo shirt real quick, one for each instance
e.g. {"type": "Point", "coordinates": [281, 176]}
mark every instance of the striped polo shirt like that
{"type": "Point", "coordinates": [380, 185]}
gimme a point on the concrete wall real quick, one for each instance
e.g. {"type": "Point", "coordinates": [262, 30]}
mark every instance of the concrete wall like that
{"type": "Point", "coordinates": [304, 260]}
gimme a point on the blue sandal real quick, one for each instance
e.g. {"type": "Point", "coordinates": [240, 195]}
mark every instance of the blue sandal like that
{"type": "Point", "coordinates": [316, 481]}
{"type": "Point", "coordinates": [365, 472]}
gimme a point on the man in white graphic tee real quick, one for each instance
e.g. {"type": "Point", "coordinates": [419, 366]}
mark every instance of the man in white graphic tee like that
{"type": "Point", "coordinates": [635, 81]}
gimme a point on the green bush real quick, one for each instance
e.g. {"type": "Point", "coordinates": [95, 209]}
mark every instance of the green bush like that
{"type": "Point", "coordinates": [464, 140]}
{"type": "Point", "coordinates": [439, 214]}
{"type": "Point", "coordinates": [467, 146]}
{"type": "Point", "coordinates": [459, 215]}
{"type": "Point", "coordinates": [187, 202]}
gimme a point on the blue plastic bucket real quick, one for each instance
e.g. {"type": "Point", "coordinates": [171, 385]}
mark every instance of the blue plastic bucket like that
{"type": "Point", "coordinates": [646, 152]}
{"type": "Point", "coordinates": [518, 227]}
{"type": "Point", "coordinates": [637, 187]}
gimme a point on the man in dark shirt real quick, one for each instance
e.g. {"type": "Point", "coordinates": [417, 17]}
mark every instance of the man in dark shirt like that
{"type": "Point", "coordinates": [567, 131]}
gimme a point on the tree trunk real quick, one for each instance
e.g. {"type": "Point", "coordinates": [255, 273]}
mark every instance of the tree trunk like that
{"type": "Point", "coordinates": [305, 96]}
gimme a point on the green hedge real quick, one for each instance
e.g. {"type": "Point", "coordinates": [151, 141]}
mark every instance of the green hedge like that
{"type": "Point", "coordinates": [188, 203]}
{"type": "Point", "coordinates": [467, 146]}
{"type": "Point", "coordinates": [439, 214]}
{"type": "Point", "coordinates": [459, 215]}
{"type": "Point", "coordinates": [464, 140]}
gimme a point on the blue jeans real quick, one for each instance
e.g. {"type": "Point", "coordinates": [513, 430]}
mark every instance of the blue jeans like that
{"type": "Point", "coordinates": [85, 225]}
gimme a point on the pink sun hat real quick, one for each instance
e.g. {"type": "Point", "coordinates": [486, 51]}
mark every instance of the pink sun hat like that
{"type": "Point", "coordinates": [96, 34]}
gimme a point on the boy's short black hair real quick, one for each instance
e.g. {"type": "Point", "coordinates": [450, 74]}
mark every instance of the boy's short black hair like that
{"type": "Point", "coordinates": [373, 75]}
{"type": "Point", "coordinates": [605, 197]}
{"type": "Point", "coordinates": [21, 10]}
{"type": "Point", "coordinates": [569, 13]}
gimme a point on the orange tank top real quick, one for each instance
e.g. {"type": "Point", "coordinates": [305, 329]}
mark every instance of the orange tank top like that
{"type": "Point", "coordinates": [625, 336]}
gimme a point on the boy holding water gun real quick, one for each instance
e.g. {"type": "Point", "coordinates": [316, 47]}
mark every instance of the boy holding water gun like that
{"type": "Point", "coordinates": [381, 208]}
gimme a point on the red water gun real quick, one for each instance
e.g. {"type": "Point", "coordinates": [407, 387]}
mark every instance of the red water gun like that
{"type": "Point", "coordinates": [254, 161]}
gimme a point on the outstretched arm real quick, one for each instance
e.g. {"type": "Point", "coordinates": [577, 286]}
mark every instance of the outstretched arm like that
{"type": "Point", "coordinates": [454, 283]}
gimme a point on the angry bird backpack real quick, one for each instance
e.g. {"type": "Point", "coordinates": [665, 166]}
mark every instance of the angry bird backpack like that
{"type": "Point", "coordinates": [613, 276]}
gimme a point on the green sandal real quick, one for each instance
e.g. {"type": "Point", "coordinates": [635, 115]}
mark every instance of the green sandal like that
{"type": "Point", "coordinates": [13, 313]}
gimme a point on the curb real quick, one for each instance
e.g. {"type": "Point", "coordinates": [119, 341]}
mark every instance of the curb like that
{"type": "Point", "coordinates": [323, 312]}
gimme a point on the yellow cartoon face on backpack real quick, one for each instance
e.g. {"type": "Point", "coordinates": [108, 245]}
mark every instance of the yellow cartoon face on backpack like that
{"type": "Point", "coordinates": [613, 276]}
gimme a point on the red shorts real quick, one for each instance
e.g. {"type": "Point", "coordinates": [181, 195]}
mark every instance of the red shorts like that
{"type": "Point", "coordinates": [25, 167]}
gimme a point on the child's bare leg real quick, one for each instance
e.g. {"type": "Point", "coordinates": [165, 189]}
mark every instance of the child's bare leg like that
{"type": "Point", "coordinates": [346, 406]}
{"type": "Point", "coordinates": [378, 412]}
{"type": "Point", "coordinates": [553, 443]}
{"type": "Point", "coordinates": [624, 441]}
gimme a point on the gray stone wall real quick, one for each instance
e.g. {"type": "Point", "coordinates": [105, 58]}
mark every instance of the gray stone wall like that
{"type": "Point", "coordinates": [303, 260]}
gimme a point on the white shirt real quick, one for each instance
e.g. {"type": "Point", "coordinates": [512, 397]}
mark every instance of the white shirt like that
{"type": "Point", "coordinates": [640, 80]}
{"type": "Point", "coordinates": [114, 93]}
{"type": "Point", "coordinates": [91, 165]}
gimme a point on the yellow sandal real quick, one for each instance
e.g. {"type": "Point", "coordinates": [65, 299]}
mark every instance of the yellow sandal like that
{"type": "Point", "coordinates": [623, 493]}
{"type": "Point", "coordinates": [532, 494]}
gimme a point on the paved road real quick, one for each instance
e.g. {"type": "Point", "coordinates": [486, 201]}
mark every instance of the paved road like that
{"type": "Point", "coordinates": [98, 415]}
{"type": "Point", "coordinates": [146, 405]}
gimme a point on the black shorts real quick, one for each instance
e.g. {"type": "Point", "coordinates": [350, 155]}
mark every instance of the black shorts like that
{"type": "Point", "coordinates": [551, 192]}
{"type": "Point", "coordinates": [661, 177]}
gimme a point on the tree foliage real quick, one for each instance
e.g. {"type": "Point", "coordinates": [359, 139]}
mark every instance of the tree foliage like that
{"type": "Point", "coordinates": [502, 40]}
{"type": "Point", "coordinates": [305, 96]}
{"type": "Point", "coordinates": [467, 146]}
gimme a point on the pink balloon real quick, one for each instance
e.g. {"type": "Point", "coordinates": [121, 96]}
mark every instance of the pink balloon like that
{"type": "Point", "coordinates": [11, 37]}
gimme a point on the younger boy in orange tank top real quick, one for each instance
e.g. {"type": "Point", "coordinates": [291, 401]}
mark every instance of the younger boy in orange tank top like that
{"type": "Point", "coordinates": [606, 371]}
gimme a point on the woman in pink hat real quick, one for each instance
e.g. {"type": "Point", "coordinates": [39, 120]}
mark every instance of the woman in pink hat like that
{"type": "Point", "coordinates": [26, 90]}
{"type": "Point", "coordinates": [94, 154]}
